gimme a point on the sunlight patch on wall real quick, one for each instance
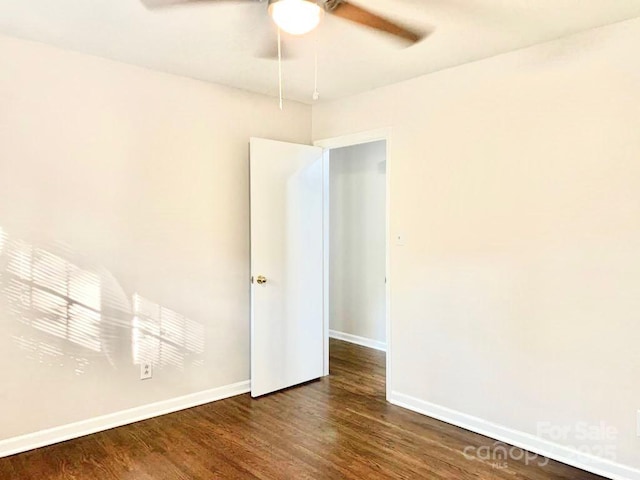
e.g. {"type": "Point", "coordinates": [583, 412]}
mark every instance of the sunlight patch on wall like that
{"type": "Point", "coordinates": [53, 295]}
{"type": "Point", "coordinates": [164, 337]}
{"type": "Point", "coordinates": [64, 315]}
{"type": "Point", "coordinates": [54, 305]}
{"type": "Point", "coordinates": [41, 352]}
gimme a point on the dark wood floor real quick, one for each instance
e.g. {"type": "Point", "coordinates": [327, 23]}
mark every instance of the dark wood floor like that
{"type": "Point", "coordinates": [339, 427]}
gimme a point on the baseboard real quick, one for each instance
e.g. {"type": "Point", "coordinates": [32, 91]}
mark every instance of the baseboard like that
{"type": "Point", "coordinates": [14, 445]}
{"type": "Point", "coordinates": [531, 443]}
{"type": "Point", "coordinates": [365, 342]}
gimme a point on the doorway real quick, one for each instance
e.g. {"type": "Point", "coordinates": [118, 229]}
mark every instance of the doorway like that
{"type": "Point", "coordinates": [356, 233]}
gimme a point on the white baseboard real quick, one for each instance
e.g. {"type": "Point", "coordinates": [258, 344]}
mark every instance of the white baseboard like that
{"type": "Point", "coordinates": [365, 342]}
{"type": "Point", "coordinates": [531, 443]}
{"type": "Point", "coordinates": [14, 445]}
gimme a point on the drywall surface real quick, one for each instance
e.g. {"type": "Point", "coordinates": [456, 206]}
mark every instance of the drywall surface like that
{"type": "Point", "coordinates": [516, 182]}
{"type": "Point", "coordinates": [124, 233]}
{"type": "Point", "coordinates": [357, 199]}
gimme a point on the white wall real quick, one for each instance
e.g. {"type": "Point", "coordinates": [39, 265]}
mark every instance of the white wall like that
{"type": "Point", "coordinates": [357, 240]}
{"type": "Point", "coordinates": [135, 182]}
{"type": "Point", "coordinates": [516, 181]}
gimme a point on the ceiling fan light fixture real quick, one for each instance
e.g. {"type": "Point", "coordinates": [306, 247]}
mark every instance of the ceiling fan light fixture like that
{"type": "Point", "coordinates": [296, 17]}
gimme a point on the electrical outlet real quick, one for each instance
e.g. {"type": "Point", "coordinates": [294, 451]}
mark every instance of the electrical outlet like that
{"type": "Point", "coordinates": [146, 371]}
{"type": "Point", "coordinates": [638, 423]}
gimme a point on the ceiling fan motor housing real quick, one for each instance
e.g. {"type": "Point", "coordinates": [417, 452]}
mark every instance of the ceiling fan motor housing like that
{"type": "Point", "coordinates": [327, 5]}
{"type": "Point", "coordinates": [331, 5]}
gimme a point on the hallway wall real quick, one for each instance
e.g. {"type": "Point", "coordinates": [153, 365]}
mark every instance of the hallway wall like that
{"type": "Point", "coordinates": [357, 241]}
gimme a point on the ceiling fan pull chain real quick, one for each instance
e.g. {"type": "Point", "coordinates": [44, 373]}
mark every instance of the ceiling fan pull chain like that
{"type": "Point", "coordinates": [280, 67]}
{"type": "Point", "coordinates": [316, 94]}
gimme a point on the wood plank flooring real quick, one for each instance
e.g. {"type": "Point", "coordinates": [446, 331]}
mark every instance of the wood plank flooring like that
{"type": "Point", "coordinates": [340, 427]}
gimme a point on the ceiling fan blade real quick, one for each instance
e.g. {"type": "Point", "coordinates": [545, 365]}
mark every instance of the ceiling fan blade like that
{"type": "Point", "coordinates": [153, 4]}
{"type": "Point", "coordinates": [356, 14]}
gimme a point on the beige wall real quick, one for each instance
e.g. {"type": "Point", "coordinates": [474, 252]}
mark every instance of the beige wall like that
{"type": "Point", "coordinates": [357, 240]}
{"type": "Point", "coordinates": [516, 182]}
{"type": "Point", "coordinates": [126, 181]}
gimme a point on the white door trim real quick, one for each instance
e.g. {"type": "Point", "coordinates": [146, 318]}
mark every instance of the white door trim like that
{"type": "Point", "coordinates": [348, 141]}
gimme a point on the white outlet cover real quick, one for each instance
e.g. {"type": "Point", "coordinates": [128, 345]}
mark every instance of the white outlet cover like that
{"type": "Point", "coordinates": [146, 371]}
{"type": "Point", "coordinates": [638, 423]}
{"type": "Point", "coordinates": [401, 239]}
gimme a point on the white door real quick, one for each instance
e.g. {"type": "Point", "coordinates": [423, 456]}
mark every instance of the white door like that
{"type": "Point", "coordinates": [286, 264]}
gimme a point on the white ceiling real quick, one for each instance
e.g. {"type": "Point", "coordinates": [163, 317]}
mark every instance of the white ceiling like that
{"type": "Point", "coordinates": [217, 41]}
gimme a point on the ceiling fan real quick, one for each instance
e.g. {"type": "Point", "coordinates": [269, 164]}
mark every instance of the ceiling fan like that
{"type": "Point", "coordinates": [298, 17]}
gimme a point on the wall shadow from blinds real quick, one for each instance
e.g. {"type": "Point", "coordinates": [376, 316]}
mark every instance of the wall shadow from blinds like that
{"type": "Point", "coordinates": [65, 313]}
{"type": "Point", "coordinates": [163, 337]}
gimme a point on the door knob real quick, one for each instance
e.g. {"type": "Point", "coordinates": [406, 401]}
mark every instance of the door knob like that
{"type": "Point", "coordinates": [261, 280]}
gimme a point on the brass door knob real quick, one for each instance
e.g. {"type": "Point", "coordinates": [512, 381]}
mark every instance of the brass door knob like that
{"type": "Point", "coordinates": [261, 280]}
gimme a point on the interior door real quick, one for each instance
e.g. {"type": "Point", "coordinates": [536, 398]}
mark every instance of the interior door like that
{"type": "Point", "coordinates": [286, 264]}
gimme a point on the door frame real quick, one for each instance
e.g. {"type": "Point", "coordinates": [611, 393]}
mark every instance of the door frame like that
{"type": "Point", "coordinates": [348, 141]}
